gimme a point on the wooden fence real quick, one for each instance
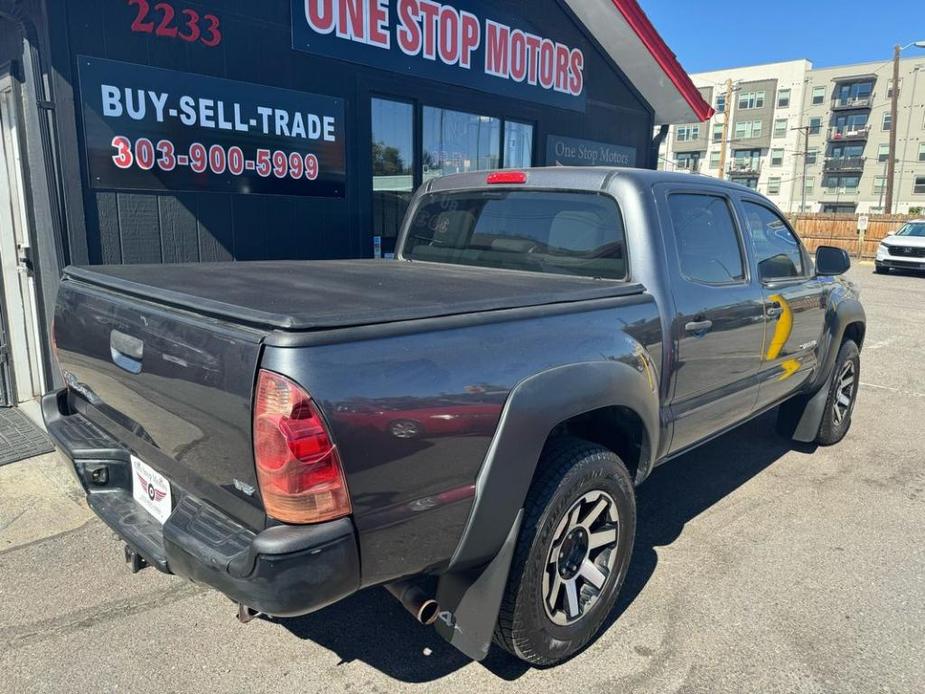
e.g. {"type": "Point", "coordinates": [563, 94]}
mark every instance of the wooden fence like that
{"type": "Point", "coordinates": [842, 230]}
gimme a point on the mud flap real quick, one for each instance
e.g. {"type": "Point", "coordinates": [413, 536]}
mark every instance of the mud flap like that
{"type": "Point", "coordinates": [469, 600]}
{"type": "Point", "coordinates": [807, 429]}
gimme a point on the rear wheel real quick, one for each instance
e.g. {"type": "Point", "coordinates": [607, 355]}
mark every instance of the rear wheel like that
{"type": "Point", "coordinates": [572, 553]}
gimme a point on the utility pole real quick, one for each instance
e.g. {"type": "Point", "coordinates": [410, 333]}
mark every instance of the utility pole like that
{"type": "Point", "coordinates": [805, 129]}
{"type": "Point", "coordinates": [727, 116]}
{"type": "Point", "coordinates": [894, 117]}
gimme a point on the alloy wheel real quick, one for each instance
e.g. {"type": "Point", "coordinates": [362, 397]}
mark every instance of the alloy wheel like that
{"type": "Point", "coordinates": [581, 558]}
{"type": "Point", "coordinates": [844, 393]}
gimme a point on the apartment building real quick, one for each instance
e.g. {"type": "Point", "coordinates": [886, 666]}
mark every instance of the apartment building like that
{"type": "Point", "coordinates": [848, 112]}
{"type": "Point", "coordinates": [836, 120]}
{"type": "Point", "coordinates": [763, 145]}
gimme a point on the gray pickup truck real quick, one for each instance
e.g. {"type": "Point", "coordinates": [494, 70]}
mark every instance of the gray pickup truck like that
{"type": "Point", "coordinates": [464, 425]}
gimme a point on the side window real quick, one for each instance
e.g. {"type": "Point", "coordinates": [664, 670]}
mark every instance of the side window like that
{"type": "Point", "coordinates": [708, 243]}
{"type": "Point", "coordinates": [778, 250]}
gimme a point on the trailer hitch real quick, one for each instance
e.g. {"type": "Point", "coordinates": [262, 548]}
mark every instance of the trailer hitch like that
{"type": "Point", "coordinates": [135, 561]}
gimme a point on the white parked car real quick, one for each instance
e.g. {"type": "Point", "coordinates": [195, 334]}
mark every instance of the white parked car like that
{"type": "Point", "coordinates": [904, 249]}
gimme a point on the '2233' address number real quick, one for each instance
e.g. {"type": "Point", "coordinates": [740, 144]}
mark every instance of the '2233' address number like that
{"type": "Point", "coordinates": [145, 154]}
{"type": "Point", "coordinates": [187, 25]}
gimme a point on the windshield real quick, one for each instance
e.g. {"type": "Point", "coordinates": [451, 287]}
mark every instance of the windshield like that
{"type": "Point", "coordinates": [913, 229]}
{"type": "Point", "coordinates": [535, 231]}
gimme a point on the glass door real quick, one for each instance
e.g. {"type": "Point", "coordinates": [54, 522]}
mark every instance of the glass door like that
{"type": "Point", "coordinates": [393, 170]}
{"type": "Point", "coordinates": [413, 143]}
{"type": "Point", "coordinates": [457, 142]}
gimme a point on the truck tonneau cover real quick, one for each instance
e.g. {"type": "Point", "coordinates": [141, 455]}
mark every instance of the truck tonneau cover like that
{"type": "Point", "coordinates": [316, 295]}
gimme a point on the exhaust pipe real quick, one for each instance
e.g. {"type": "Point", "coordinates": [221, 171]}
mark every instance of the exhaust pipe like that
{"type": "Point", "coordinates": [415, 600]}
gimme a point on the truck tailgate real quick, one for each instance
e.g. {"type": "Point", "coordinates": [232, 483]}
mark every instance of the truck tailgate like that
{"type": "Point", "coordinates": [172, 387]}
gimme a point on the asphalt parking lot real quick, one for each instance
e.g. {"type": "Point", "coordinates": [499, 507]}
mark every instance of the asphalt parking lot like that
{"type": "Point", "coordinates": [758, 567]}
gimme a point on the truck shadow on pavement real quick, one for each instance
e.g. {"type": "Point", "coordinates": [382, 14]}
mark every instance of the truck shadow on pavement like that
{"type": "Point", "coordinates": [373, 628]}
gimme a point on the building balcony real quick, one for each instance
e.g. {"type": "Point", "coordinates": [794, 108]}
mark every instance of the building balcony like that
{"type": "Point", "coordinates": [744, 168]}
{"type": "Point", "coordinates": [849, 133]}
{"type": "Point", "coordinates": [690, 166]}
{"type": "Point", "coordinates": [839, 104]}
{"type": "Point", "coordinates": [837, 192]}
{"type": "Point", "coordinates": [838, 164]}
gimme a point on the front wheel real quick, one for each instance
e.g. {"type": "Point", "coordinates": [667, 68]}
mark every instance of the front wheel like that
{"type": "Point", "coordinates": [843, 391]}
{"type": "Point", "coordinates": [881, 269]}
{"type": "Point", "coordinates": [572, 553]}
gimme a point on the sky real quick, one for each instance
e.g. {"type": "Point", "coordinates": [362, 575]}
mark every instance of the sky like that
{"type": "Point", "coordinates": [714, 34]}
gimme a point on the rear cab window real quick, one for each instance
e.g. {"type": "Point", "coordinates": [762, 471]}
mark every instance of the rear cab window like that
{"type": "Point", "coordinates": [562, 233]}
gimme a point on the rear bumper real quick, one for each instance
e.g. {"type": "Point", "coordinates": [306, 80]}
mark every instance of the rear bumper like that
{"type": "Point", "coordinates": [283, 571]}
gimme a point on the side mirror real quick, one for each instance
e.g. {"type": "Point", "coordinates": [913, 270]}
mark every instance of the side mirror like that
{"type": "Point", "coordinates": [891, 232]}
{"type": "Point", "coordinates": [831, 261]}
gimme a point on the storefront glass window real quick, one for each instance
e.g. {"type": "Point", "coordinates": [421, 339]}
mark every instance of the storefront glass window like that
{"type": "Point", "coordinates": [518, 145]}
{"type": "Point", "coordinates": [393, 167]}
{"type": "Point", "coordinates": [456, 142]}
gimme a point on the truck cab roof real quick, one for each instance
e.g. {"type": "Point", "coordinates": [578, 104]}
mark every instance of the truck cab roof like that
{"type": "Point", "coordinates": [578, 178]}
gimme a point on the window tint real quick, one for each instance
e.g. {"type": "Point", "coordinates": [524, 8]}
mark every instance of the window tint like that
{"type": "Point", "coordinates": [778, 250]}
{"type": "Point", "coordinates": [557, 233]}
{"type": "Point", "coordinates": [708, 244]}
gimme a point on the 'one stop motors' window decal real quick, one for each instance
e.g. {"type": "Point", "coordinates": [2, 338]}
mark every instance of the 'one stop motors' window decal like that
{"type": "Point", "coordinates": [153, 129]}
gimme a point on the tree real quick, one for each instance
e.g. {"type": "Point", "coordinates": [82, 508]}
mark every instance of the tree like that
{"type": "Point", "coordinates": [387, 161]}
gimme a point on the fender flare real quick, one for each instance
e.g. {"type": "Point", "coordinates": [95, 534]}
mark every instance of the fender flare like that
{"type": "Point", "coordinates": [532, 411]}
{"type": "Point", "coordinates": [846, 312]}
{"type": "Point", "coordinates": [470, 591]}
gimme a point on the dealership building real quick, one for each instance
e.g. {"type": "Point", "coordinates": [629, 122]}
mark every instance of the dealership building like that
{"type": "Point", "coordinates": [176, 131]}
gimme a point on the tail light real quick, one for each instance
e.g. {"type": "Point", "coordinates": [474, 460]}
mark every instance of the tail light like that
{"type": "Point", "coordinates": [506, 177]}
{"type": "Point", "coordinates": [298, 468]}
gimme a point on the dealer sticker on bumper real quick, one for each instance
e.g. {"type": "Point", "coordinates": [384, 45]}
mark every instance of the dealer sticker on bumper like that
{"type": "Point", "coordinates": [151, 490]}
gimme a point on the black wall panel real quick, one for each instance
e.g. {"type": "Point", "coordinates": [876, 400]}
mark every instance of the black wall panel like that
{"type": "Point", "coordinates": [141, 227]}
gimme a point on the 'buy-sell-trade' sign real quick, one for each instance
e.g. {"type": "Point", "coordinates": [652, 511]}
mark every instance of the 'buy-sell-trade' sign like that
{"type": "Point", "coordinates": [152, 129]}
{"type": "Point", "coordinates": [473, 45]}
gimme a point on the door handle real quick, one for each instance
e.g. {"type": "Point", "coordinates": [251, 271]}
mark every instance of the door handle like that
{"type": "Point", "coordinates": [774, 309]}
{"type": "Point", "coordinates": [126, 351]}
{"type": "Point", "coordinates": [698, 327]}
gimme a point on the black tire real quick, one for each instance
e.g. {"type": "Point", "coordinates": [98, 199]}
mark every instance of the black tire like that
{"type": "Point", "coordinates": [570, 471]}
{"type": "Point", "coordinates": [834, 427]}
{"type": "Point", "coordinates": [881, 269]}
